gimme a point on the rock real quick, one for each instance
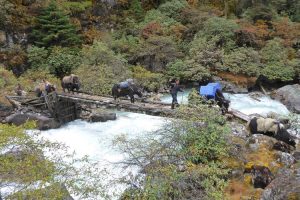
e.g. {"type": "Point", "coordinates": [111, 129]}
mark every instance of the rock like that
{"type": "Point", "coordinates": [232, 88]}
{"type": "Point", "coordinates": [261, 176]}
{"type": "Point", "coordinates": [285, 186]}
{"type": "Point", "coordinates": [2, 38]}
{"type": "Point", "coordinates": [282, 146]}
{"type": "Point", "coordinates": [289, 95]}
{"type": "Point", "coordinates": [43, 122]}
{"type": "Point", "coordinates": [258, 140]}
{"type": "Point", "coordinates": [238, 129]}
{"type": "Point", "coordinates": [102, 116]}
{"type": "Point", "coordinates": [285, 158]}
{"type": "Point", "coordinates": [296, 155]}
{"type": "Point", "coordinates": [5, 111]}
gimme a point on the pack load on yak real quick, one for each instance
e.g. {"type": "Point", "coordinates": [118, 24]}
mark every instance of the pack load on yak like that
{"type": "Point", "coordinates": [213, 91]}
{"type": "Point", "coordinates": [126, 84]}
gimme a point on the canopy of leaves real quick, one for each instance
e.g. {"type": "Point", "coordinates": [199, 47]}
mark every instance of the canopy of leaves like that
{"type": "Point", "coordinates": [243, 61]}
{"type": "Point", "coordinates": [101, 69]}
{"type": "Point", "coordinates": [53, 27]}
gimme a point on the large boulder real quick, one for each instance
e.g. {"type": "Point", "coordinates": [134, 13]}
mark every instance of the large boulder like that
{"type": "Point", "coordinates": [289, 95]}
{"type": "Point", "coordinates": [232, 88]}
{"type": "Point", "coordinates": [102, 116]}
{"type": "Point", "coordinates": [43, 123]}
{"type": "Point", "coordinates": [286, 185]}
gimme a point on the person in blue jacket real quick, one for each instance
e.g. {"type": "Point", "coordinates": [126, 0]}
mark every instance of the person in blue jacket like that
{"type": "Point", "coordinates": [175, 88]}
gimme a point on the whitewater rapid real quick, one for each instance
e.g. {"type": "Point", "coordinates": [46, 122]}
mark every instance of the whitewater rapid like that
{"type": "Point", "coordinates": [95, 139]}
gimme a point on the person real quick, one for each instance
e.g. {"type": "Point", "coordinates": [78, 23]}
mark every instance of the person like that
{"type": "Point", "coordinates": [47, 85]}
{"type": "Point", "coordinates": [19, 90]}
{"type": "Point", "coordinates": [175, 88]}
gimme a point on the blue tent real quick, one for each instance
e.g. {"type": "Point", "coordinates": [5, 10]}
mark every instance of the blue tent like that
{"type": "Point", "coordinates": [209, 91]}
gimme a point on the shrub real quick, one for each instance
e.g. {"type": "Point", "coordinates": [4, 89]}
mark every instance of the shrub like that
{"type": "Point", "coordinates": [205, 52]}
{"type": "Point", "coordinates": [62, 61]}
{"type": "Point", "coordinates": [172, 8]}
{"type": "Point", "coordinates": [242, 61]}
{"type": "Point", "coordinates": [37, 57]}
{"type": "Point", "coordinates": [29, 173]}
{"type": "Point", "coordinates": [148, 80]}
{"type": "Point", "coordinates": [278, 71]}
{"type": "Point", "coordinates": [222, 28]}
{"type": "Point", "coordinates": [8, 81]}
{"type": "Point", "coordinates": [182, 160]}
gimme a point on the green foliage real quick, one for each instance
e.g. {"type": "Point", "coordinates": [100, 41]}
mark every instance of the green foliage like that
{"type": "Point", "coordinates": [222, 28]}
{"type": "Point", "coordinates": [7, 80]}
{"type": "Point", "coordinates": [182, 160]}
{"type": "Point", "coordinates": [62, 61]}
{"type": "Point", "coordinates": [29, 164]}
{"type": "Point", "coordinates": [187, 70]}
{"type": "Point", "coordinates": [137, 9]}
{"type": "Point", "coordinates": [6, 8]}
{"type": "Point", "coordinates": [53, 27]}
{"type": "Point", "coordinates": [101, 69]}
{"type": "Point", "coordinates": [58, 60]}
{"type": "Point", "coordinates": [37, 57]}
{"type": "Point", "coordinates": [205, 52]}
{"type": "Point", "coordinates": [176, 69]}
{"type": "Point", "coordinates": [260, 12]}
{"type": "Point", "coordinates": [126, 45]}
{"type": "Point", "coordinates": [242, 61]}
{"type": "Point", "coordinates": [278, 71]}
{"type": "Point", "coordinates": [32, 77]}
{"type": "Point", "coordinates": [77, 7]}
{"type": "Point", "coordinates": [277, 65]}
{"type": "Point", "coordinates": [157, 16]}
{"type": "Point", "coordinates": [148, 80]}
{"type": "Point", "coordinates": [172, 8]}
{"type": "Point", "coordinates": [268, 52]}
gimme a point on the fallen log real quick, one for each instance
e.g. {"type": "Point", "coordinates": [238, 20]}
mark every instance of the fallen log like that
{"type": "Point", "coordinates": [239, 115]}
{"type": "Point", "coordinates": [14, 103]}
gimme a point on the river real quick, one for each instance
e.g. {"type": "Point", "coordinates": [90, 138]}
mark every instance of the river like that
{"type": "Point", "coordinates": [95, 139]}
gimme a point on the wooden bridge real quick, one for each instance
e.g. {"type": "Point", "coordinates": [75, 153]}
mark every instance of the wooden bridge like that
{"type": "Point", "coordinates": [66, 107]}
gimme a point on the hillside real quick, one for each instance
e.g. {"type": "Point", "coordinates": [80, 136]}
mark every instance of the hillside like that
{"type": "Point", "coordinates": [151, 41]}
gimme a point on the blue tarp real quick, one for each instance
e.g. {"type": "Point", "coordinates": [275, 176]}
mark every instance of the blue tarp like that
{"type": "Point", "coordinates": [124, 84]}
{"type": "Point", "coordinates": [209, 91]}
{"type": "Point", "coordinates": [216, 85]}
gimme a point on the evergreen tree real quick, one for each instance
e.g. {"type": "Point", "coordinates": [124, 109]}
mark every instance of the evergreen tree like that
{"type": "Point", "coordinates": [54, 28]}
{"type": "Point", "coordinates": [137, 9]}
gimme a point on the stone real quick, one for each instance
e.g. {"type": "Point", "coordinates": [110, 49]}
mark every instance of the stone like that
{"type": "Point", "coordinates": [289, 95]}
{"type": "Point", "coordinates": [232, 88]}
{"type": "Point", "coordinates": [261, 176]}
{"type": "Point", "coordinates": [43, 122]}
{"type": "Point", "coordinates": [258, 140]}
{"type": "Point", "coordinates": [296, 155]}
{"type": "Point", "coordinates": [286, 185]}
{"type": "Point", "coordinates": [102, 116]}
{"type": "Point", "coordinates": [285, 158]}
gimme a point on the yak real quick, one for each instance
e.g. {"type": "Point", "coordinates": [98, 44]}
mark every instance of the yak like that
{"type": "Point", "coordinates": [130, 90]}
{"type": "Point", "coordinates": [270, 127]}
{"type": "Point", "coordinates": [70, 83]}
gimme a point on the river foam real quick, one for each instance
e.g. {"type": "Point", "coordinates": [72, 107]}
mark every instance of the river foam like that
{"type": "Point", "coordinates": [95, 140]}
